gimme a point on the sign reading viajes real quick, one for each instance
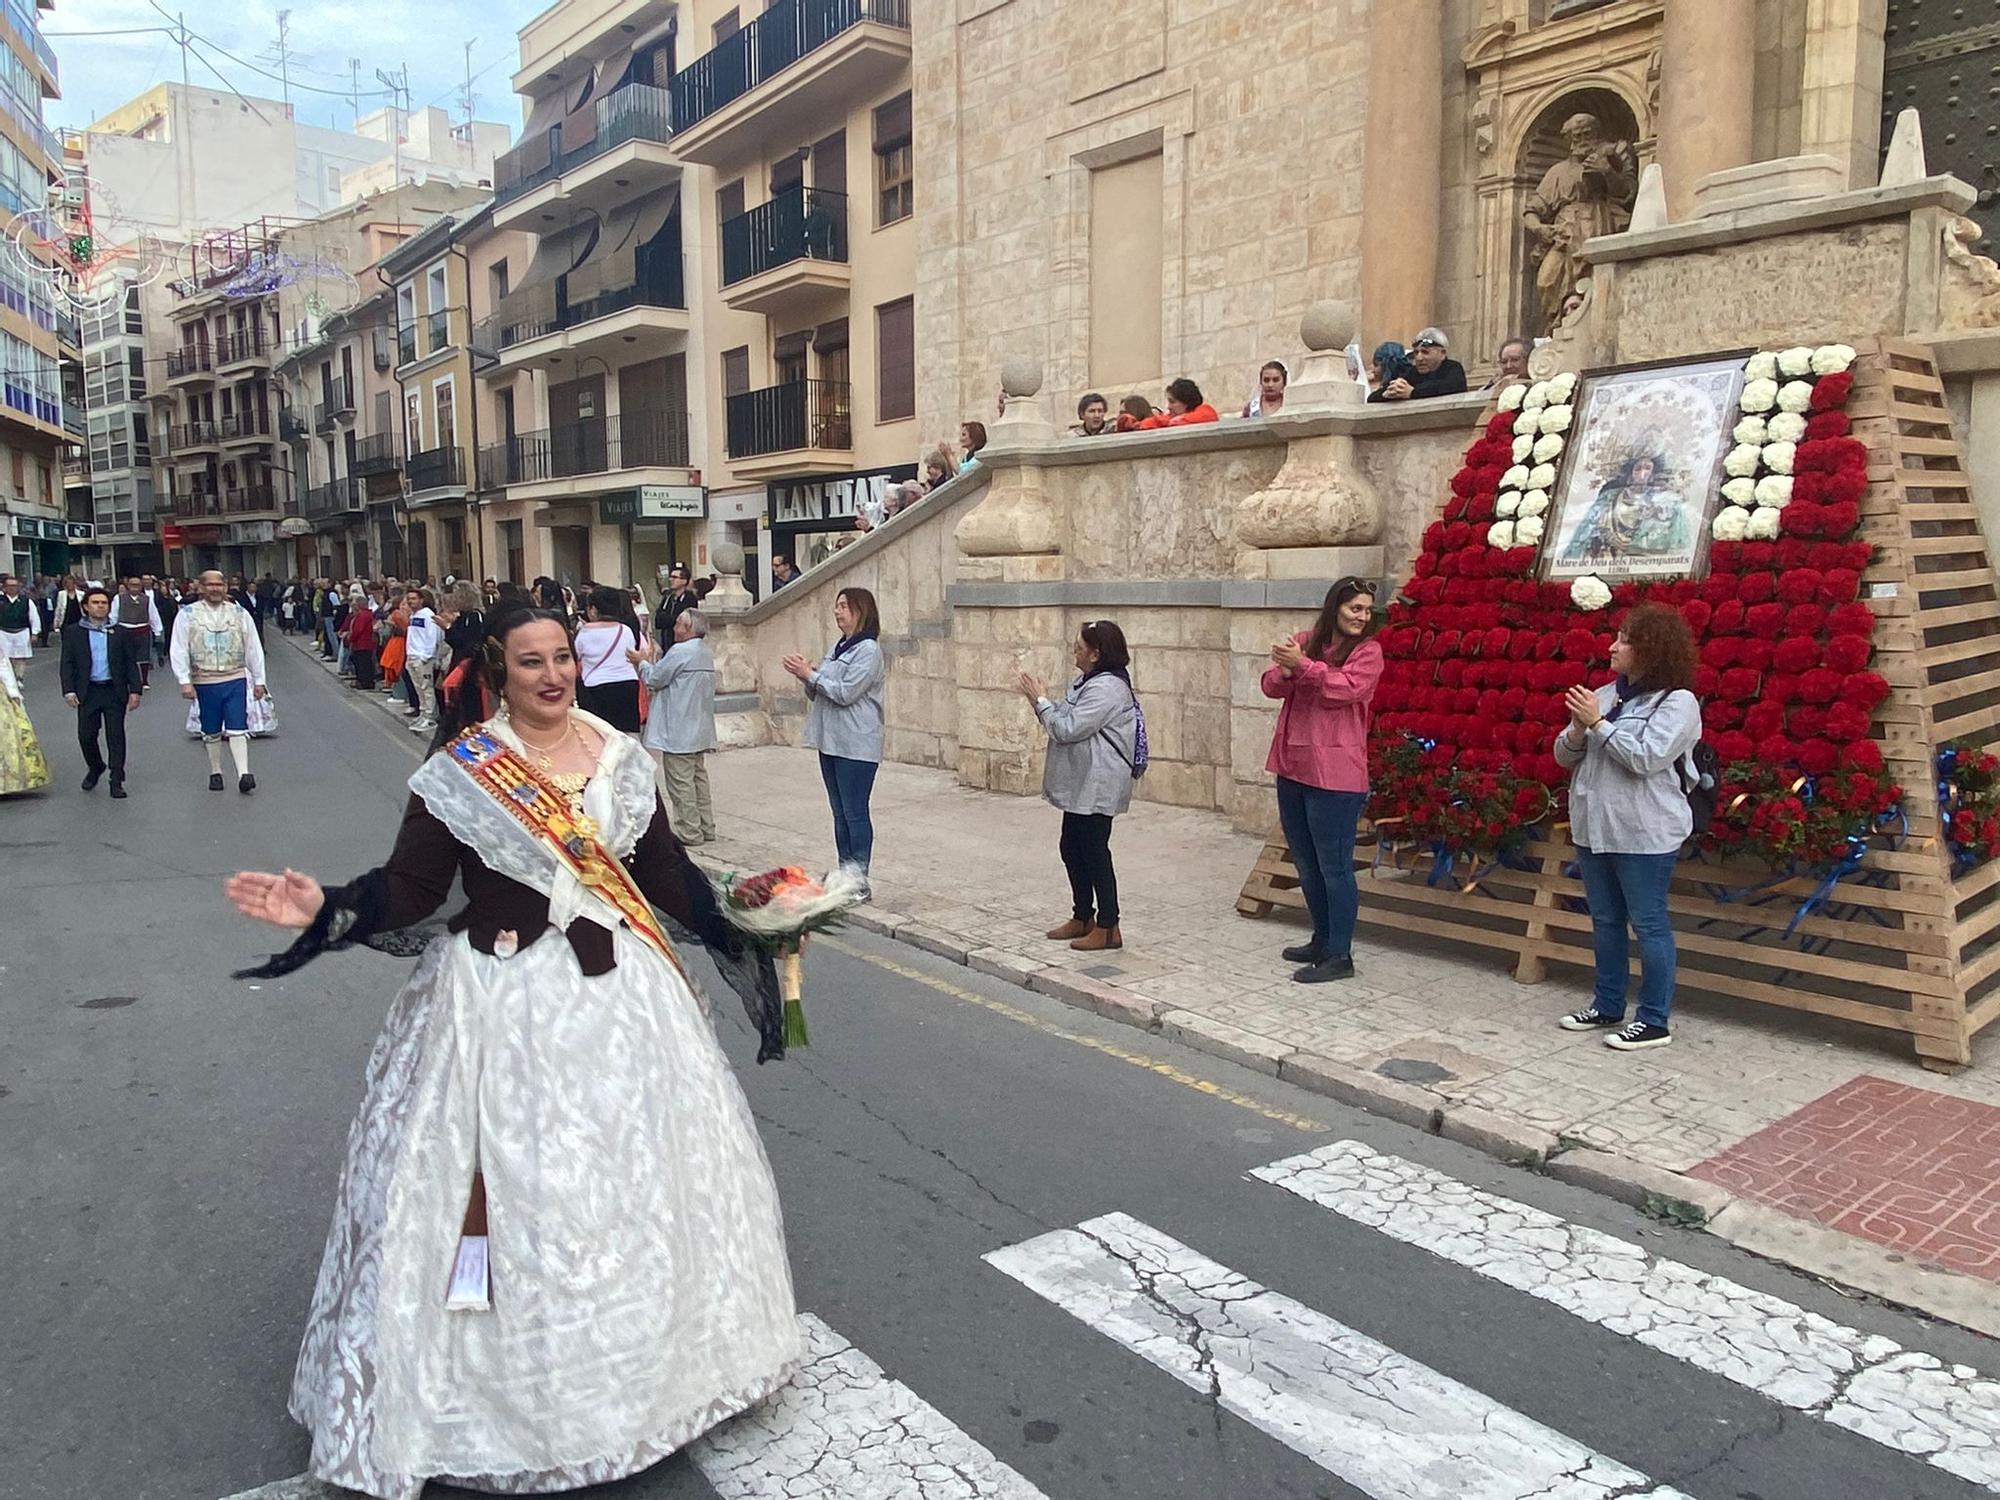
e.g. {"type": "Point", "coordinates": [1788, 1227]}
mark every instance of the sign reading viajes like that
{"type": "Point", "coordinates": [1643, 469]}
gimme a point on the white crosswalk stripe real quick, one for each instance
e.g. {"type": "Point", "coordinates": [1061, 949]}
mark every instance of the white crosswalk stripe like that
{"type": "Point", "coordinates": [1378, 1420]}
{"type": "Point", "coordinates": [843, 1430]}
{"type": "Point", "coordinates": [1949, 1415]}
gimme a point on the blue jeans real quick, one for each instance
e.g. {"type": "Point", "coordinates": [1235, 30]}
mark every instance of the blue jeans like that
{"type": "Point", "coordinates": [1631, 888]}
{"type": "Point", "coordinates": [848, 785]}
{"type": "Point", "coordinates": [1319, 827]}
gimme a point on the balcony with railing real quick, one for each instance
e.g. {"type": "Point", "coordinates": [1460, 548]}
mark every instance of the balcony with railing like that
{"type": "Point", "coordinates": [798, 62]}
{"type": "Point", "coordinates": [292, 424]}
{"type": "Point", "coordinates": [197, 500]}
{"type": "Point", "coordinates": [789, 250]}
{"type": "Point", "coordinates": [437, 331]}
{"type": "Point", "coordinates": [250, 499]}
{"type": "Point", "coordinates": [340, 399]}
{"type": "Point", "coordinates": [650, 312]}
{"type": "Point", "coordinates": [810, 417]}
{"type": "Point", "coordinates": [245, 428]}
{"type": "Point", "coordinates": [244, 346]}
{"type": "Point", "coordinates": [335, 498]}
{"type": "Point", "coordinates": [611, 152]}
{"type": "Point", "coordinates": [375, 454]}
{"type": "Point", "coordinates": [406, 344]}
{"type": "Point", "coordinates": [598, 445]}
{"type": "Point", "coordinates": [435, 470]}
{"type": "Point", "coordinates": [194, 362]}
{"type": "Point", "coordinates": [185, 439]}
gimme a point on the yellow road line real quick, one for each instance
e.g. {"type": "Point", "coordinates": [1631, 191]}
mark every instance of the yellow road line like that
{"type": "Point", "coordinates": [1152, 1065]}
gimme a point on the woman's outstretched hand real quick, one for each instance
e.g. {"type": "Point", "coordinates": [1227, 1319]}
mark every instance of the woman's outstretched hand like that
{"type": "Point", "coordinates": [287, 900]}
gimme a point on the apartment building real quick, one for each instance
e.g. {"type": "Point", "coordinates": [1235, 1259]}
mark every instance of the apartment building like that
{"type": "Point", "coordinates": [340, 421]}
{"type": "Point", "coordinates": [110, 473]}
{"type": "Point", "coordinates": [795, 122]}
{"type": "Point", "coordinates": [36, 531]}
{"type": "Point", "coordinates": [588, 468]}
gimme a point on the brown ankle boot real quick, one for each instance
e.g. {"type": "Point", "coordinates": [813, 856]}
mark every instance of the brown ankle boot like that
{"type": "Point", "coordinates": [1099, 938]}
{"type": "Point", "coordinates": [1075, 927]}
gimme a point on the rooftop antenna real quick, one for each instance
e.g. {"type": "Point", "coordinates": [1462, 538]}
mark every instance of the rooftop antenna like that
{"type": "Point", "coordinates": [398, 85]}
{"type": "Point", "coordinates": [280, 52]}
{"type": "Point", "coordinates": [467, 99]}
{"type": "Point", "coordinates": [354, 87]}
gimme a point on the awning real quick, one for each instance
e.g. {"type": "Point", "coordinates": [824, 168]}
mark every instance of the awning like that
{"type": "Point", "coordinates": [613, 260]}
{"type": "Point", "coordinates": [533, 297]}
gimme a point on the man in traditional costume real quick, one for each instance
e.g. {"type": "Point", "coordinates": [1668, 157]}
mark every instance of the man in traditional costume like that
{"type": "Point", "coordinates": [557, 1255]}
{"type": "Point", "coordinates": [20, 622]}
{"type": "Point", "coordinates": [135, 613]}
{"type": "Point", "coordinates": [220, 664]}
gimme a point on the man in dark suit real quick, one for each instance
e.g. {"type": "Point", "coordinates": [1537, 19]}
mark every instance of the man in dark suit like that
{"type": "Point", "coordinates": [100, 680]}
{"type": "Point", "coordinates": [679, 598]}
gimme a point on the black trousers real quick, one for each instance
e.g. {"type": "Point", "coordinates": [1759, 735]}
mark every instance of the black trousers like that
{"type": "Point", "coordinates": [1086, 854]}
{"type": "Point", "coordinates": [102, 708]}
{"type": "Point", "coordinates": [364, 667]}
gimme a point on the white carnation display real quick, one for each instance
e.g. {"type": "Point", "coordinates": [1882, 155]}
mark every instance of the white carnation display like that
{"type": "Point", "coordinates": [1537, 397]}
{"type": "Point", "coordinates": [1528, 531]}
{"type": "Point", "coordinates": [1541, 477]}
{"type": "Point", "coordinates": [1740, 492]}
{"type": "Point", "coordinates": [1510, 399]}
{"type": "Point", "coordinates": [1506, 503]}
{"type": "Point", "coordinates": [1785, 427]}
{"type": "Point", "coordinates": [1589, 592]}
{"type": "Point", "coordinates": [1523, 446]}
{"type": "Point", "coordinates": [1500, 534]}
{"type": "Point", "coordinates": [1753, 431]}
{"type": "Point", "coordinates": [1524, 424]}
{"type": "Point", "coordinates": [1556, 419]}
{"type": "Point", "coordinates": [1795, 361]}
{"type": "Point", "coordinates": [1831, 359]}
{"type": "Point", "coordinates": [1534, 502]}
{"type": "Point", "coordinates": [1795, 395]}
{"type": "Point", "coordinates": [1731, 524]}
{"type": "Point", "coordinates": [1758, 395]}
{"type": "Point", "coordinates": [1761, 367]}
{"type": "Point", "coordinates": [1762, 526]}
{"type": "Point", "coordinates": [1546, 448]}
{"type": "Point", "coordinates": [1515, 478]}
{"type": "Point", "coordinates": [1562, 386]}
{"type": "Point", "coordinates": [1741, 461]}
{"type": "Point", "coordinates": [1778, 457]}
{"type": "Point", "coordinates": [1774, 491]}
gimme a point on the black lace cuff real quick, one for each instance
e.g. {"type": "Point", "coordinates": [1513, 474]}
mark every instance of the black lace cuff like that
{"type": "Point", "coordinates": [351, 914]}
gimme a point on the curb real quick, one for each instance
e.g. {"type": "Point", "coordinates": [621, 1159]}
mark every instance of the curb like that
{"type": "Point", "coordinates": [1671, 1197]}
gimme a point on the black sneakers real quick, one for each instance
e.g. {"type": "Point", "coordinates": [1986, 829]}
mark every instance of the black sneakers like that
{"type": "Point", "coordinates": [1591, 1019]}
{"type": "Point", "coordinates": [246, 783]}
{"type": "Point", "coordinates": [215, 781]}
{"type": "Point", "coordinates": [1638, 1036]}
{"type": "Point", "coordinates": [1326, 970]}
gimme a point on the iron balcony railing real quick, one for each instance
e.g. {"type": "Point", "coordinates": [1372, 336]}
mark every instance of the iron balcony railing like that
{"type": "Point", "coordinates": [183, 436]}
{"type": "Point", "coordinates": [197, 502]}
{"type": "Point", "coordinates": [341, 402]}
{"type": "Point", "coordinates": [251, 497]}
{"type": "Point", "coordinates": [637, 112]}
{"type": "Point", "coordinates": [436, 469]}
{"type": "Point", "coordinates": [291, 424]}
{"type": "Point", "coordinates": [660, 283]}
{"type": "Point", "coordinates": [245, 424]}
{"type": "Point", "coordinates": [193, 360]}
{"type": "Point", "coordinates": [798, 414]}
{"type": "Point", "coordinates": [335, 497]}
{"type": "Point", "coordinates": [245, 343]}
{"type": "Point", "coordinates": [438, 330]}
{"type": "Point", "coordinates": [376, 454]}
{"type": "Point", "coordinates": [784, 33]}
{"type": "Point", "coordinates": [406, 344]}
{"type": "Point", "coordinates": [801, 223]}
{"type": "Point", "coordinates": [598, 445]}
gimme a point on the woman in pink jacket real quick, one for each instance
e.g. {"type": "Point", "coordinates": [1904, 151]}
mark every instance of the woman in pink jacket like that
{"type": "Point", "coordinates": [1324, 679]}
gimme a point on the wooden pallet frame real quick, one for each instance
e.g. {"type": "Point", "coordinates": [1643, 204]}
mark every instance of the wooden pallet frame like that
{"type": "Point", "coordinates": [1904, 945]}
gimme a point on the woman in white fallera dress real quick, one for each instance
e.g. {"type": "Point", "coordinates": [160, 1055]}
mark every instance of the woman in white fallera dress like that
{"type": "Point", "coordinates": [549, 1064]}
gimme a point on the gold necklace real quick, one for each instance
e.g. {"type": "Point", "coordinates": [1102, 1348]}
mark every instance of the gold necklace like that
{"type": "Point", "coordinates": [570, 783]}
{"type": "Point", "coordinates": [545, 755]}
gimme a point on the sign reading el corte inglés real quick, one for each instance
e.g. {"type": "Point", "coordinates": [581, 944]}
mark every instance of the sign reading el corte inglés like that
{"type": "Point", "coordinates": [654, 502]}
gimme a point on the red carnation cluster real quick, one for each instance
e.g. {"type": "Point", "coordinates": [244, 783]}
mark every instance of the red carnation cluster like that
{"type": "Point", "coordinates": [1479, 653]}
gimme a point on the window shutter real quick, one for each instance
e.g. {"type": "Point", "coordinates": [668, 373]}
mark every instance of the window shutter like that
{"type": "Point", "coordinates": [896, 359]}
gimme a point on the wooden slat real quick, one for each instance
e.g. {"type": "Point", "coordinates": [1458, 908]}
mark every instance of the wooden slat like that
{"type": "Point", "coordinates": [1939, 512]}
{"type": "Point", "coordinates": [1970, 578]}
{"type": "Point", "coordinates": [1944, 546]}
{"type": "Point", "coordinates": [1956, 651]}
{"type": "Point", "coordinates": [1932, 479]}
{"type": "Point", "coordinates": [1923, 416]}
{"type": "Point", "coordinates": [1983, 1014]}
{"type": "Point", "coordinates": [1920, 447]}
{"type": "Point", "coordinates": [1976, 613]}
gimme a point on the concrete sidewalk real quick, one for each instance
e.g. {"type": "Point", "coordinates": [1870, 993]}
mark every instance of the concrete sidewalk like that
{"type": "Point", "coordinates": [1723, 1125]}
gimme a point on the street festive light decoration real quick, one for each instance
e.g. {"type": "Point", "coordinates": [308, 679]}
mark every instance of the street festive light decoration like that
{"type": "Point", "coordinates": [80, 251]}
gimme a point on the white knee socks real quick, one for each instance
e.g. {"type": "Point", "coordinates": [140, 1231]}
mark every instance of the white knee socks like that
{"type": "Point", "coordinates": [214, 748]}
{"type": "Point", "coordinates": [239, 751]}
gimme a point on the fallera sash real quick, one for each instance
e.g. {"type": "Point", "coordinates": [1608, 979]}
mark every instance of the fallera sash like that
{"type": "Point", "coordinates": [544, 812]}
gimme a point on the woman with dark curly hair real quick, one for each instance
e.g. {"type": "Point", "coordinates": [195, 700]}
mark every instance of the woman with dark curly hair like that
{"type": "Point", "coordinates": [1628, 747]}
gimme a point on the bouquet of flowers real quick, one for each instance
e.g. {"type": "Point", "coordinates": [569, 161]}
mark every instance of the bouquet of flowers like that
{"type": "Point", "coordinates": [776, 910]}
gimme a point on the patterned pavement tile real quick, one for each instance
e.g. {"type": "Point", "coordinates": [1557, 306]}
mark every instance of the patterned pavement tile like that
{"type": "Point", "coordinates": [1903, 1166]}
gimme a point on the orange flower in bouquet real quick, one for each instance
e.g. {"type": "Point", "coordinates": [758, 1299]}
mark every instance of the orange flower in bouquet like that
{"type": "Point", "coordinates": [777, 910]}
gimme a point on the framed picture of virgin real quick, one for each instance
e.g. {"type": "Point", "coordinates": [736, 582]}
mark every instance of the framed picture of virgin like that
{"type": "Point", "coordinates": [1642, 471]}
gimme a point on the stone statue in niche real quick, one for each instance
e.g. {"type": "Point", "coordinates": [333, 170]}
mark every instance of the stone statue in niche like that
{"type": "Point", "coordinates": [1589, 192]}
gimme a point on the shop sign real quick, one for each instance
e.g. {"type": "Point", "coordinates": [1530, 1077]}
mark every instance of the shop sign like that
{"type": "Point", "coordinates": [803, 501]}
{"type": "Point", "coordinates": [80, 531]}
{"type": "Point", "coordinates": [52, 531]}
{"type": "Point", "coordinates": [653, 502]}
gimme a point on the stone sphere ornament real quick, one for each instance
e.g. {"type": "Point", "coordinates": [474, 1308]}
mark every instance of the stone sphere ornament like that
{"type": "Point", "coordinates": [1328, 325]}
{"type": "Point", "coordinates": [1021, 375]}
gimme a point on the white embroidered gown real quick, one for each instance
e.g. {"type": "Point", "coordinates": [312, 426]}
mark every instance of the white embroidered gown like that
{"type": "Point", "coordinates": [640, 1287]}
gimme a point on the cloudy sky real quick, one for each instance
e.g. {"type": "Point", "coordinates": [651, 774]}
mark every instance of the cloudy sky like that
{"type": "Point", "coordinates": [101, 72]}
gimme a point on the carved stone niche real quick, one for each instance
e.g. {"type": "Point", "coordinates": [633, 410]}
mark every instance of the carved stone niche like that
{"type": "Point", "coordinates": [1530, 69]}
{"type": "Point", "coordinates": [1319, 517]}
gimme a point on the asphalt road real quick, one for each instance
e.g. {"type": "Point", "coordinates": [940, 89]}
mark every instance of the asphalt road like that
{"type": "Point", "coordinates": [169, 1141]}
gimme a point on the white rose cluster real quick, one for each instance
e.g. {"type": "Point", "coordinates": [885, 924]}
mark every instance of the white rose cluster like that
{"type": "Point", "coordinates": [1741, 492]}
{"type": "Point", "coordinates": [1523, 446]}
{"type": "Point", "coordinates": [1537, 397]}
{"type": "Point", "coordinates": [1731, 524]}
{"type": "Point", "coordinates": [1510, 399]}
{"type": "Point", "coordinates": [1763, 526]}
{"type": "Point", "coordinates": [1740, 462]}
{"type": "Point", "coordinates": [1556, 418]}
{"type": "Point", "coordinates": [1778, 457]}
{"type": "Point", "coordinates": [1589, 592]}
{"type": "Point", "coordinates": [1761, 367]}
{"type": "Point", "coordinates": [1785, 427]}
{"type": "Point", "coordinates": [1506, 503]}
{"type": "Point", "coordinates": [1795, 395]}
{"type": "Point", "coordinates": [1774, 491]}
{"type": "Point", "coordinates": [1524, 423]}
{"type": "Point", "coordinates": [1535, 502]}
{"type": "Point", "coordinates": [1795, 362]}
{"type": "Point", "coordinates": [1528, 531]}
{"type": "Point", "coordinates": [1758, 396]}
{"type": "Point", "coordinates": [1563, 386]}
{"type": "Point", "coordinates": [1547, 447]}
{"type": "Point", "coordinates": [1831, 359]}
{"type": "Point", "coordinates": [1541, 477]}
{"type": "Point", "coordinates": [1752, 430]}
{"type": "Point", "coordinates": [1500, 534]}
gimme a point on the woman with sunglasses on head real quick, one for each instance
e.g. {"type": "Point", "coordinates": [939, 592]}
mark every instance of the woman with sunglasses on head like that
{"type": "Point", "coordinates": [1091, 766]}
{"type": "Point", "coordinates": [1324, 680]}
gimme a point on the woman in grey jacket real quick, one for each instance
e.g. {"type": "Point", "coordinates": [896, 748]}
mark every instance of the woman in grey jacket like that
{"type": "Point", "coordinates": [1629, 816]}
{"type": "Point", "coordinates": [1093, 745]}
{"type": "Point", "coordinates": [844, 721]}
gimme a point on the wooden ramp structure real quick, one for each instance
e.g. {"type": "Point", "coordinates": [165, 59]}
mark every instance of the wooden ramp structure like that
{"type": "Point", "coordinates": [1902, 944]}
